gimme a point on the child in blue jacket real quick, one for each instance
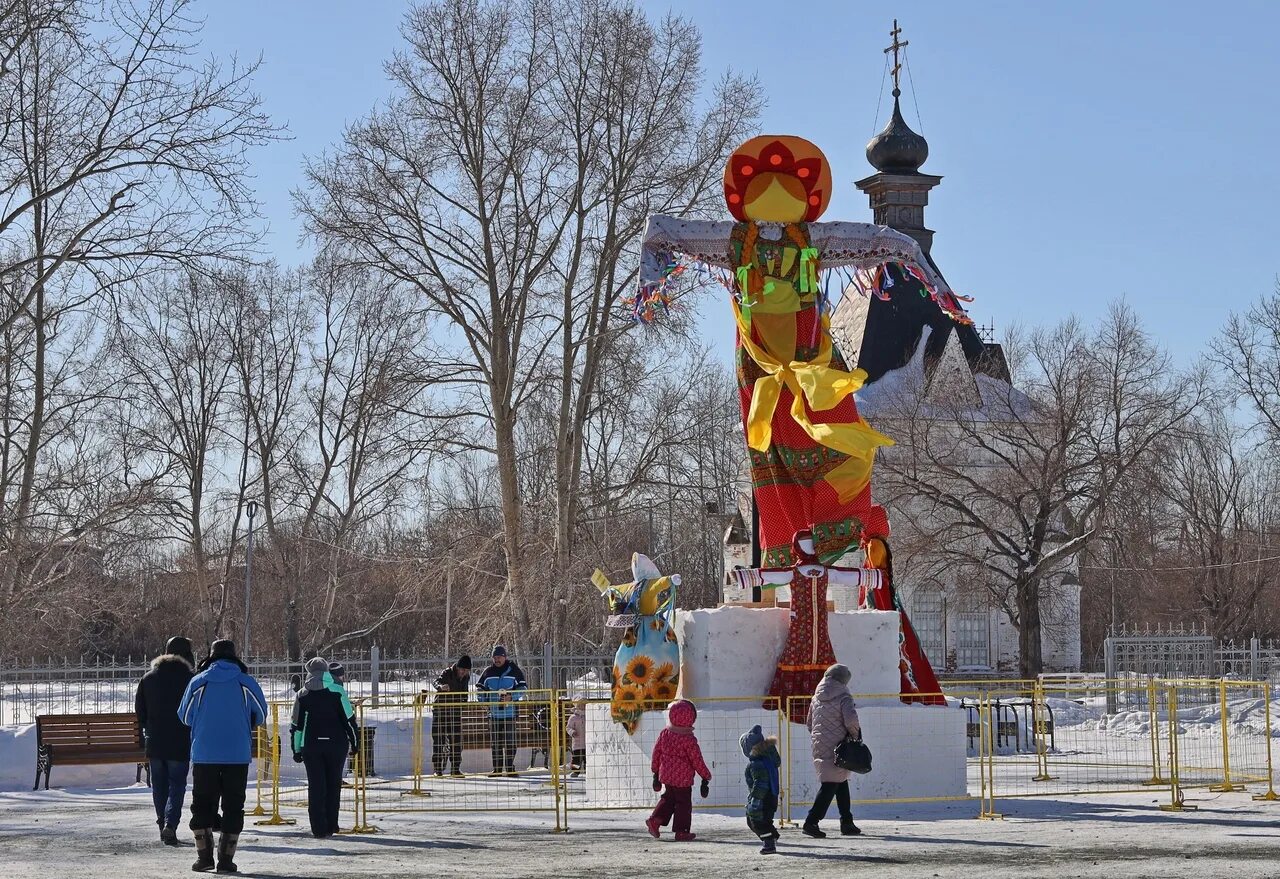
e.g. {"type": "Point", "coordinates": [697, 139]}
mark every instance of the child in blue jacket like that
{"type": "Point", "coordinates": [762, 785]}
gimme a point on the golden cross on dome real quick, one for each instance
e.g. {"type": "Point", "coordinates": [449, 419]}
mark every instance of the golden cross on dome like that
{"type": "Point", "coordinates": [897, 65]}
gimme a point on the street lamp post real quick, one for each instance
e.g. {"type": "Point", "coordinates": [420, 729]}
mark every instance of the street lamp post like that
{"type": "Point", "coordinates": [248, 578]}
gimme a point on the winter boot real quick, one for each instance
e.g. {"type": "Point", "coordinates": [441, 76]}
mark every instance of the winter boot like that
{"type": "Point", "coordinates": [848, 828]}
{"type": "Point", "coordinates": [686, 836]}
{"type": "Point", "coordinates": [227, 852]}
{"type": "Point", "coordinates": [204, 851]}
{"type": "Point", "coordinates": [769, 847]}
{"type": "Point", "coordinates": [811, 829]}
{"type": "Point", "coordinates": [654, 828]}
{"type": "Point", "coordinates": [169, 835]}
{"type": "Point", "coordinates": [160, 824]}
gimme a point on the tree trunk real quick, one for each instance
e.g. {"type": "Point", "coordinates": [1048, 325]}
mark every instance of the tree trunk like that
{"type": "Point", "coordinates": [1030, 662]}
{"type": "Point", "coordinates": [292, 644]}
{"type": "Point", "coordinates": [504, 423]}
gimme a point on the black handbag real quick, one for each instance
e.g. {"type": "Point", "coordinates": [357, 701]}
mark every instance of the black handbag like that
{"type": "Point", "coordinates": [854, 755]}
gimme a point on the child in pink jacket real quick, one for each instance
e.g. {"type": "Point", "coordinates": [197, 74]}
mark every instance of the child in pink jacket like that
{"type": "Point", "coordinates": [676, 757]}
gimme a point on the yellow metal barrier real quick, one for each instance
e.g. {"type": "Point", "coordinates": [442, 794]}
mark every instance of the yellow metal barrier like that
{"type": "Point", "coordinates": [274, 732]}
{"type": "Point", "coordinates": [1025, 739]}
{"type": "Point", "coordinates": [1270, 796]}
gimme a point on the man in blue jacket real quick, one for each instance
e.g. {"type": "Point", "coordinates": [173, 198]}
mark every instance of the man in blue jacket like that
{"type": "Point", "coordinates": [501, 683]}
{"type": "Point", "coordinates": [222, 705]}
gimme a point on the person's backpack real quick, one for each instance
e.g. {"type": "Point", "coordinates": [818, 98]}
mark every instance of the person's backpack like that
{"type": "Point", "coordinates": [854, 755]}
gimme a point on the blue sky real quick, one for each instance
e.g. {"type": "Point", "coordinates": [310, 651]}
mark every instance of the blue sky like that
{"type": "Point", "coordinates": [1090, 150]}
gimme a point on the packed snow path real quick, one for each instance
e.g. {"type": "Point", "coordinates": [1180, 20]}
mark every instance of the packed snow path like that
{"type": "Point", "coordinates": [95, 833]}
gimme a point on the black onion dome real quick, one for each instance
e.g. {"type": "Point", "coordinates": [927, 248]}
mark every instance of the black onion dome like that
{"type": "Point", "coordinates": [897, 149]}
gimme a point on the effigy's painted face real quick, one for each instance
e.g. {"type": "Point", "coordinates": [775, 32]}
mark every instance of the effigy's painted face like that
{"type": "Point", "coordinates": [778, 179]}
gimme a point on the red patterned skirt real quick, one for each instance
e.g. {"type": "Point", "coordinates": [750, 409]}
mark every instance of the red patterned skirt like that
{"type": "Point", "coordinates": [788, 478]}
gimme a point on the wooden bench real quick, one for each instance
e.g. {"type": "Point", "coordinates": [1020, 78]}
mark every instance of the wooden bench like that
{"type": "Point", "coordinates": [528, 733]}
{"type": "Point", "coordinates": [88, 740]}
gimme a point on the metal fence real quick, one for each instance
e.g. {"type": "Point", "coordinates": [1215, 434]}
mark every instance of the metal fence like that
{"type": "Point", "coordinates": [63, 686]}
{"type": "Point", "coordinates": [1023, 739]}
{"type": "Point", "coordinates": [1178, 652]}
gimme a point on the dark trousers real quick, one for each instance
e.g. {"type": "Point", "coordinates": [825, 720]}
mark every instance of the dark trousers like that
{"type": "Point", "coordinates": [324, 786]}
{"type": "Point", "coordinates": [446, 744]}
{"type": "Point", "coordinates": [502, 735]}
{"type": "Point", "coordinates": [675, 802]}
{"type": "Point", "coordinates": [578, 758]}
{"type": "Point", "coordinates": [168, 790]}
{"type": "Point", "coordinates": [217, 786]}
{"type": "Point", "coordinates": [763, 825]}
{"type": "Point", "coordinates": [822, 802]}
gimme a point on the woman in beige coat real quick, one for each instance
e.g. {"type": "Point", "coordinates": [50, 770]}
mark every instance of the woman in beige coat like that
{"type": "Point", "coordinates": [832, 716]}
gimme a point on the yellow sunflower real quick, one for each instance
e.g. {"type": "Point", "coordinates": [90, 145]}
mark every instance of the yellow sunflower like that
{"type": "Point", "coordinates": [664, 692]}
{"type": "Point", "coordinates": [656, 624]}
{"type": "Point", "coordinates": [671, 634]}
{"type": "Point", "coordinates": [629, 638]}
{"type": "Point", "coordinates": [640, 669]}
{"type": "Point", "coordinates": [664, 672]}
{"type": "Point", "coordinates": [627, 697]}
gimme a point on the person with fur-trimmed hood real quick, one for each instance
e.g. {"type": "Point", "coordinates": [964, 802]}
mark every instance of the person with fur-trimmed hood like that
{"type": "Point", "coordinates": [222, 705]}
{"type": "Point", "coordinates": [164, 737]}
{"type": "Point", "coordinates": [762, 785]}
{"type": "Point", "coordinates": [677, 757]}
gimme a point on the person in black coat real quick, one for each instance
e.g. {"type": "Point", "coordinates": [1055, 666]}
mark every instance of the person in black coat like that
{"type": "Point", "coordinates": [453, 688]}
{"type": "Point", "coordinates": [166, 739]}
{"type": "Point", "coordinates": [323, 732]}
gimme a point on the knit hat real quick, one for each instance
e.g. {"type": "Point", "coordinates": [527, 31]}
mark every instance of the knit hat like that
{"type": "Point", "coordinates": [464, 661]}
{"type": "Point", "coordinates": [223, 648]}
{"type": "Point", "coordinates": [179, 646]}
{"type": "Point", "coordinates": [750, 739]}
{"type": "Point", "coordinates": [682, 713]}
{"type": "Point", "coordinates": [316, 668]}
{"type": "Point", "coordinates": [499, 651]}
{"type": "Point", "coordinates": [337, 670]}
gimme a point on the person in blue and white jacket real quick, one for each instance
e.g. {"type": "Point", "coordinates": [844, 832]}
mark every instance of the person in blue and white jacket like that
{"type": "Point", "coordinates": [222, 705]}
{"type": "Point", "coordinates": [502, 683]}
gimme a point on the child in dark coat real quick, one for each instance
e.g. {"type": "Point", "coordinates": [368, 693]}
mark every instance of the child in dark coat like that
{"type": "Point", "coordinates": [762, 785]}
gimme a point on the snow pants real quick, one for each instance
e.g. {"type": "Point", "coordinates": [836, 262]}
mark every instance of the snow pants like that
{"type": "Point", "coordinates": [218, 786]}
{"type": "Point", "coordinates": [677, 803]}
{"type": "Point", "coordinates": [762, 824]}
{"type": "Point", "coordinates": [324, 786]}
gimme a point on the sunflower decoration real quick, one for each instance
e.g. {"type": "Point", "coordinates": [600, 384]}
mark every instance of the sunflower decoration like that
{"type": "Point", "coordinates": [639, 670]}
{"type": "Point", "coordinates": [646, 668]}
{"type": "Point", "coordinates": [664, 692]}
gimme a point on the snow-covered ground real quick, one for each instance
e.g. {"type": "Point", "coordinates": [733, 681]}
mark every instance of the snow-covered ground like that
{"type": "Point", "coordinates": [94, 833]}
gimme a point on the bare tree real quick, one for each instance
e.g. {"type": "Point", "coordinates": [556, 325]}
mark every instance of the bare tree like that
{"type": "Point", "coordinates": [499, 184]}
{"type": "Point", "coordinates": [119, 155]}
{"type": "Point", "coordinates": [1012, 488]}
{"type": "Point", "coordinates": [173, 342]}
{"type": "Point", "coordinates": [1248, 351]}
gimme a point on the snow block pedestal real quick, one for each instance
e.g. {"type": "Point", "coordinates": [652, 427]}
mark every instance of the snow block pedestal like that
{"type": "Point", "coordinates": [733, 651]}
{"type": "Point", "coordinates": [727, 660]}
{"type": "Point", "coordinates": [918, 752]}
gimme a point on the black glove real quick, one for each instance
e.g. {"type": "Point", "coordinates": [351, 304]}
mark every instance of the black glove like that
{"type": "Point", "coordinates": [297, 756]}
{"type": "Point", "coordinates": [657, 785]}
{"type": "Point", "coordinates": [705, 790]}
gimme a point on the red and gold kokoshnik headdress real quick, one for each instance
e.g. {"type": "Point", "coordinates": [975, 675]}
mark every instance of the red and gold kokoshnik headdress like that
{"type": "Point", "coordinates": [772, 160]}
